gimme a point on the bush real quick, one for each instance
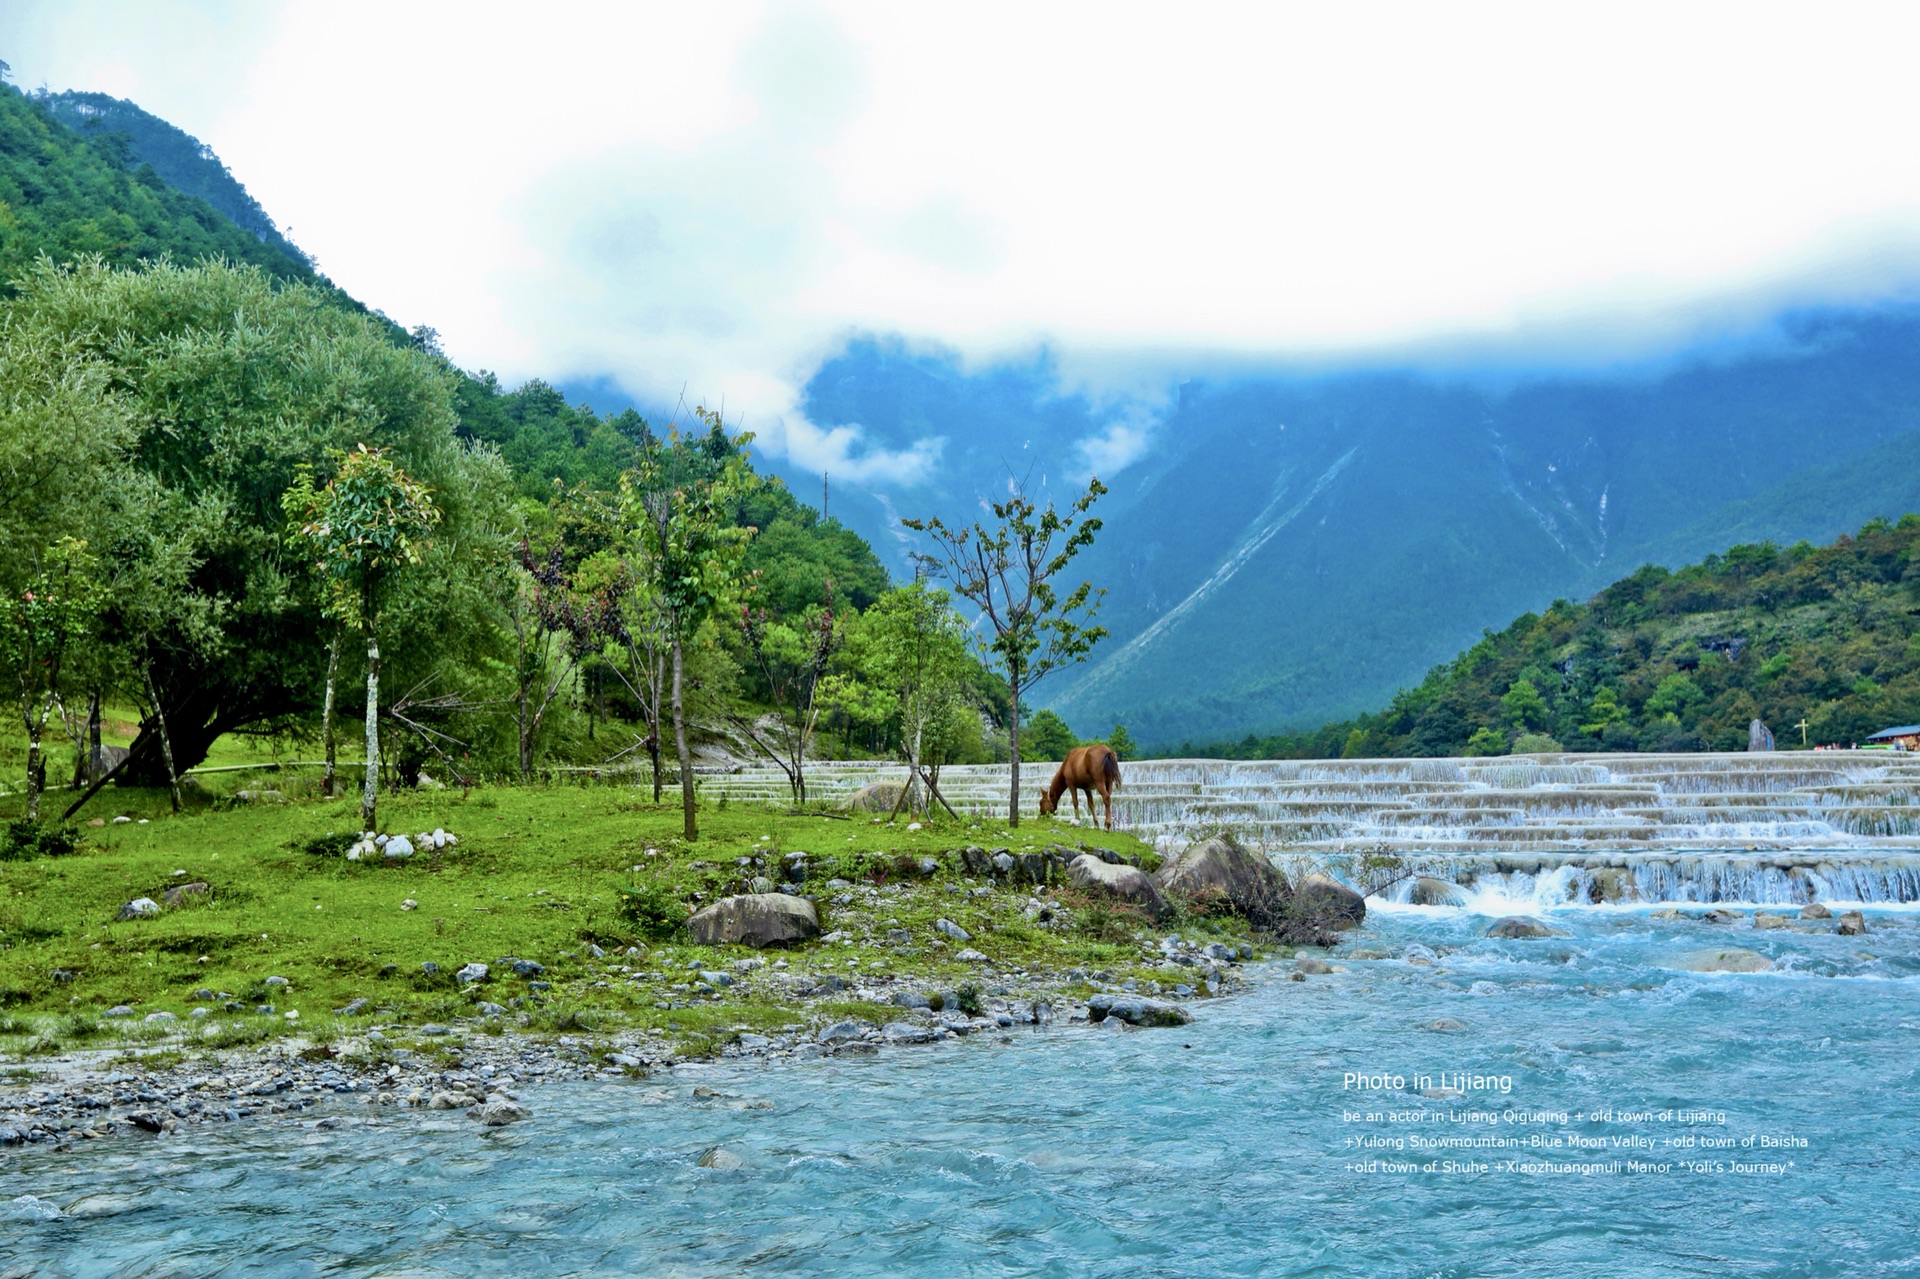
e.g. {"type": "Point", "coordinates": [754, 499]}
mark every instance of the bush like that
{"type": "Point", "coordinates": [328, 845]}
{"type": "Point", "coordinates": [1536, 744]}
{"type": "Point", "coordinates": [26, 840]}
{"type": "Point", "coordinates": [653, 911]}
{"type": "Point", "coordinates": [967, 998]}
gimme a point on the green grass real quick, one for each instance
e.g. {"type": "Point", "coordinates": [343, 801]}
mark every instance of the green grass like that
{"type": "Point", "coordinates": [538, 874]}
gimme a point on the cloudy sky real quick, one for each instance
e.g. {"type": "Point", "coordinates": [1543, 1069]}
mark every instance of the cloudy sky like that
{"type": "Point", "coordinates": [715, 196]}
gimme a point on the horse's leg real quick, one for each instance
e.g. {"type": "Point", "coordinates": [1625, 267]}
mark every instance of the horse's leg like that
{"type": "Point", "coordinates": [1106, 794]}
{"type": "Point", "coordinates": [1076, 805]}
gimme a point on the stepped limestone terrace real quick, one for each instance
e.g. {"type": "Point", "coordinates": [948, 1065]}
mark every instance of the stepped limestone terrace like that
{"type": "Point", "coordinates": [1785, 827]}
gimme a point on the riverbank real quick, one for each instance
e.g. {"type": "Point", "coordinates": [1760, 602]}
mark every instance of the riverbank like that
{"type": "Point", "coordinates": [181, 971]}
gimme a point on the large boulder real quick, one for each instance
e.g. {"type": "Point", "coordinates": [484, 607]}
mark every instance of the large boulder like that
{"type": "Point", "coordinates": [1729, 959]}
{"type": "Point", "coordinates": [1129, 884]}
{"type": "Point", "coordinates": [1136, 1011]}
{"type": "Point", "coordinates": [1222, 866]}
{"type": "Point", "coordinates": [875, 797]}
{"type": "Point", "coordinates": [1330, 903]}
{"type": "Point", "coordinates": [1519, 926]}
{"type": "Point", "coordinates": [1428, 891]}
{"type": "Point", "coordinates": [756, 919]}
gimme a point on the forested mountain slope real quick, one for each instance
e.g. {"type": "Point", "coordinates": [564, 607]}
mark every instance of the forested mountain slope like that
{"type": "Point", "coordinates": [1672, 660]}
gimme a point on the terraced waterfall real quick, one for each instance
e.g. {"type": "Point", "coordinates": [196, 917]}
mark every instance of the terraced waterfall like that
{"type": "Point", "coordinates": [1782, 828]}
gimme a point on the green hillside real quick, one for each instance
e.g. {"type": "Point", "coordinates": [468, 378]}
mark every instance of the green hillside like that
{"type": "Point", "coordinates": [1672, 660]}
{"type": "Point", "coordinates": [65, 195]}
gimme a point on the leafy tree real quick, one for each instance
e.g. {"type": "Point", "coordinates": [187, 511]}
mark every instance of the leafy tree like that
{"type": "Point", "coordinates": [792, 661]}
{"type": "Point", "coordinates": [371, 519]}
{"type": "Point", "coordinates": [1524, 708]}
{"type": "Point", "coordinates": [40, 627]}
{"type": "Point", "coordinates": [1007, 570]}
{"type": "Point", "coordinates": [1604, 711]}
{"type": "Point", "coordinates": [1047, 738]}
{"type": "Point", "coordinates": [676, 503]}
{"type": "Point", "coordinates": [1486, 741]}
{"type": "Point", "coordinates": [1122, 742]}
{"type": "Point", "coordinates": [1676, 693]}
{"type": "Point", "coordinates": [916, 651]}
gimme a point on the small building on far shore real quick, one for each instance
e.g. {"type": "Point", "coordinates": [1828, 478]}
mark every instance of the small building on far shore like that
{"type": "Point", "coordinates": [1905, 737]}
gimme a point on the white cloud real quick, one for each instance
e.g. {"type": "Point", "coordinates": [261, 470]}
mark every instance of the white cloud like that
{"type": "Point", "coordinates": [712, 196]}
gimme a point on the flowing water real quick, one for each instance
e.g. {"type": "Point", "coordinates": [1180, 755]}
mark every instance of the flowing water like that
{"type": "Point", "coordinates": [1222, 1148]}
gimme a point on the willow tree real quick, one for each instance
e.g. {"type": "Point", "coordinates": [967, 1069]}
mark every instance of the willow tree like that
{"type": "Point", "coordinates": [678, 502]}
{"type": "Point", "coordinates": [370, 520]}
{"type": "Point", "coordinates": [1007, 569]}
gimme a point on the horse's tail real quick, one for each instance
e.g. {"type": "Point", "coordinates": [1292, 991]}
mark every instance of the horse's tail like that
{"type": "Point", "coordinates": [1110, 765]}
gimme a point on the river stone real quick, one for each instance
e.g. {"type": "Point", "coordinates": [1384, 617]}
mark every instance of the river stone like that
{"type": "Point", "coordinates": [1222, 866]}
{"type": "Point", "coordinates": [903, 1032]}
{"type": "Point", "coordinates": [756, 919]}
{"type": "Point", "coordinates": [471, 973]}
{"type": "Point", "coordinates": [875, 797]}
{"type": "Point", "coordinates": [528, 968]}
{"type": "Point", "coordinates": [397, 847]}
{"type": "Point", "coordinates": [1428, 891]}
{"type": "Point", "coordinates": [1814, 910]}
{"type": "Point", "coordinates": [1446, 1025]}
{"type": "Point", "coordinates": [139, 908]}
{"type": "Point", "coordinates": [1127, 883]}
{"type": "Point", "coordinates": [1331, 903]}
{"type": "Point", "coordinates": [497, 1111]}
{"type": "Point", "coordinates": [721, 1160]}
{"type": "Point", "coordinates": [951, 929]}
{"type": "Point", "coordinates": [1136, 1011]}
{"type": "Point", "coordinates": [1518, 926]}
{"type": "Point", "coordinates": [1763, 920]}
{"type": "Point", "coordinates": [180, 892]}
{"type": "Point", "coordinates": [1730, 959]}
{"type": "Point", "coordinates": [1852, 924]}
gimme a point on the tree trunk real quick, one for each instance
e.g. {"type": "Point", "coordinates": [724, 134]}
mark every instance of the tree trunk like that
{"type": "Point", "coordinates": [680, 744]}
{"type": "Point", "coordinates": [36, 771]}
{"type": "Point", "coordinates": [94, 763]}
{"type": "Point", "coordinates": [370, 792]}
{"type": "Point", "coordinates": [653, 720]}
{"type": "Point", "coordinates": [327, 735]}
{"type": "Point", "coordinates": [1013, 739]}
{"type": "Point", "coordinates": [166, 742]}
{"type": "Point", "coordinates": [913, 772]}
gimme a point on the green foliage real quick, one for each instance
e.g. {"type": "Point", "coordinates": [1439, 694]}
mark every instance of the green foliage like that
{"type": "Point", "coordinates": [371, 519]}
{"type": "Point", "coordinates": [1046, 737]}
{"type": "Point", "coordinates": [1486, 741]}
{"type": "Point", "coordinates": [1122, 742]}
{"type": "Point", "coordinates": [969, 998]}
{"type": "Point", "coordinates": [653, 910]}
{"type": "Point", "coordinates": [25, 840]}
{"type": "Point", "coordinates": [1676, 660]}
{"type": "Point", "coordinates": [1536, 744]}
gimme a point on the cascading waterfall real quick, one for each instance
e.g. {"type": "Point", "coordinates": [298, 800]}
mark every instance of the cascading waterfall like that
{"type": "Point", "coordinates": [1783, 828]}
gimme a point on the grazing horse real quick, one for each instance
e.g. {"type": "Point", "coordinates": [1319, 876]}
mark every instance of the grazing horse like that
{"type": "Point", "coordinates": [1089, 768]}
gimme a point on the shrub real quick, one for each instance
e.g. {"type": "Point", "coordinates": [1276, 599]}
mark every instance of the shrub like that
{"type": "Point", "coordinates": [328, 845]}
{"type": "Point", "coordinates": [652, 909]}
{"type": "Point", "coordinates": [24, 841]}
{"type": "Point", "coordinates": [1536, 744]}
{"type": "Point", "coordinates": [967, 998]}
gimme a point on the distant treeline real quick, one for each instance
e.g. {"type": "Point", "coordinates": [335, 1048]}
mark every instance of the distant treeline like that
{"type": "Point", "coordinates": [1669, 661]}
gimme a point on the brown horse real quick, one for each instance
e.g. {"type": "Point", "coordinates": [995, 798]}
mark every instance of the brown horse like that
{"type": "Point", "coordinates": [1089, 768]}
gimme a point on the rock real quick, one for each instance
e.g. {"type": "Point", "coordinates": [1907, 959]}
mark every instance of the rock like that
{"type": "Point", "coordinates": [1852, 924]}
{"type": "Point", "coordinates": [449, 1101]}
{"type": "Point", "coordinates": [1312, 967]}
{"type": "Point", "coordinates": [1759, 736]}
{"type": "Point", "coordinates": [760, 884]}
{"type": "Point", "coordinates": [1125, 883]}
{"type": "Point", "coordinates": [1814, 910]}
{"type": "Point", "coordinates": [721, 1160]}
{"type": "Point", "coordinates": [118, 1010]}
{"type": "Point", "coordinates": [975, 861]}
{"type": "Point", "coordinates": [138, 908]}
{"type": "Point", "coordinates": [972, 956]}
{"type": "Point", "coordinates": [352, 1008]}
{"type": "Point", "coordinates": [527, 968]}
{"type": "Point", "coordinates": [1731, 959]}
{"type": "Point", "coordinates": [1718, 916]}
{"type": "Point", "coordinates": [904, 1032]}
{"type": "Point", "coordinates": [1763, 920]}
{"type": "Point", "coordinates": [1331, 903]}
{"type": "Point", "coordinates": [180, 892]}
{"type": "Point", "coordinates": [276, 983]}
{"type": "Point", "coordinates": [430, 969]}
{"type": "Point", "coordinates": [875, 797]}
{"type": "Point", "coordinates": [1222, 866]}
{"type": "Point", "coordinates": [397, 847]}
{"type": "Point", "coordinates": [951, 929]}
{"type": "Point", "coordinates": [756, 919]}
{"type": "Point", "coordinates": [714, 977]}
{"type": "Point", "coordinates": [910, 999]}
{"type": "Point", "coordinates": [1519, 926]}
{"type": "Point", "coordinates": [1445, 1024]}
{"type": "Point", "coordinates": [471, 973]}
{"type": "Point", "coordinates": [841, 1031]}
{"type": "Point", "coordinates": [1136, 1011]}
{"type": "Point", "coordinates": [497, 1111]}
{"type": "Point", "coordinates": [11, 1136]}
{"type": "Point", "coordinates": [160, 1016]}
{"type": "Point", "coordinates": [1428, 891]}
{"type": "Point", "coordinates": [259, 797]}
{"type": "Point", "coordinates": [145, 1121]}
{"type": "Point", "coordinates": [488, 1009]}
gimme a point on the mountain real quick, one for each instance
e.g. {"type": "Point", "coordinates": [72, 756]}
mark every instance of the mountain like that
{"type": "Point", "coordinates": [180, 160]}
{"type": "Point", "coordinates": [63, 194]}
{"type": "Point", "coordinates": [1827, 637]}
{"type": "Point", "coordinates": [1290, 549]}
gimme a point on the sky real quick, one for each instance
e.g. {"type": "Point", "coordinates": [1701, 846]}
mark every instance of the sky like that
{"type": "Point", "coordinates": [711, 199]}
